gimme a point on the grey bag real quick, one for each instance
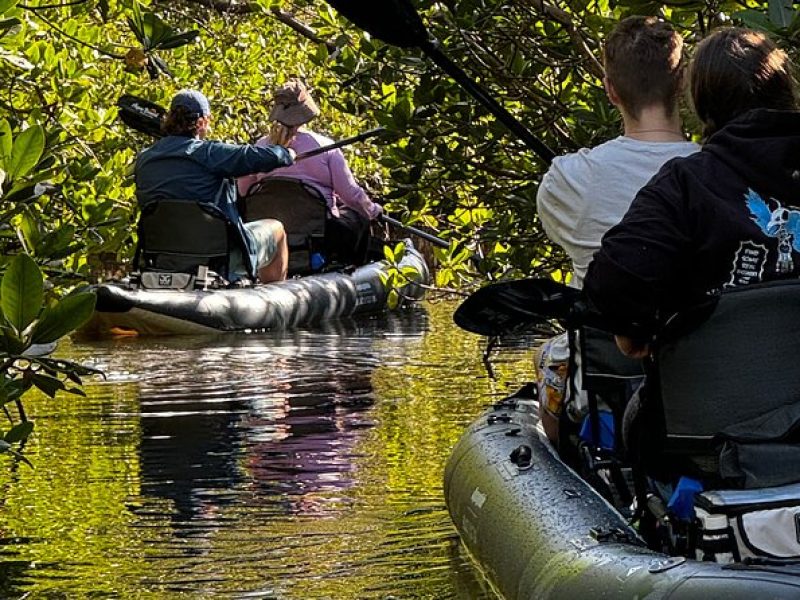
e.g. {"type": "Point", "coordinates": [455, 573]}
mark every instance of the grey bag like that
{"type": "Point", "coordinates": [764, 525]}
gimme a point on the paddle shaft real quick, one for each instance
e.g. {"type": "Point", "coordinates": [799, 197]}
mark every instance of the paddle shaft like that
{"type": "Point", "coordinates": [149, 123]}
{"type": "Point", "coordinates": [341, 143]}
{"type": "Point", "coordinates": [436, 241]}
{"type": "Point", "coordinates": [431, 48]}
{"type": "Point", "coordinates": [398, 23]}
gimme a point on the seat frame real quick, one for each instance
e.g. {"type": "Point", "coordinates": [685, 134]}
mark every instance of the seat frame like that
{"type": "Point", "coordinates": [303, 211]}
{"type": "Point", "coordinates": [180, 236]}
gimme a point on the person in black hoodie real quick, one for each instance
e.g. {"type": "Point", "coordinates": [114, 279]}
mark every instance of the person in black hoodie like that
{"type": "Point", "coordinates": [726, 216]}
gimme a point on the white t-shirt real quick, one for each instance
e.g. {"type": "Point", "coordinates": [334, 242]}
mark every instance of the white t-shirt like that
{"type": "Point", "coordinates": [586, 193]}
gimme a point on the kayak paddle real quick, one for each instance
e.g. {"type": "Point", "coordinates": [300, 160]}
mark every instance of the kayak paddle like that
{"type": "Point", "coordinates": [140, 114]}
{"type": "Point", "coordinates": [345, 142]}
{"type": "Point", "coordinates": [145, 116]}
{"type": "Point", "coordinates": [515, 306]}
{"type": "Point", "coordinates": [436, 241]}
{"type": "Point", "coordinates": [397, 23]}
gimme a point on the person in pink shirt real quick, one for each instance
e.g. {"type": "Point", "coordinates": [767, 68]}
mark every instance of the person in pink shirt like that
{"type": "Point", "coordinates": [350, 208]}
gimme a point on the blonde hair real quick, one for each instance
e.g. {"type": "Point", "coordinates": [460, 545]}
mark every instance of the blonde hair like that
{"type": "Point", "coordinates": [281, 134]}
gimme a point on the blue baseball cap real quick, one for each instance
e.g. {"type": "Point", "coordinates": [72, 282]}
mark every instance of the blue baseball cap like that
{"type": "Point", "coordinates": [193, 100]}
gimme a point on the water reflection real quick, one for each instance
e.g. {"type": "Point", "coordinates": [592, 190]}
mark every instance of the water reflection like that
{"type": "Point", "coordinates": [296, 465]}
{"type": "Point", "coordinates": [281, 423]}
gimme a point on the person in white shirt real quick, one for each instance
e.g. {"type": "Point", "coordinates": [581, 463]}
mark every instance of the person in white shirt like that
{"type": "Point", "coordinates": [585, 193]}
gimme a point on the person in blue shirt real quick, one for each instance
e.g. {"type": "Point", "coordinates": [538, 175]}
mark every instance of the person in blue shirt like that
{"type": "Point", "coordinates": [183, 165]}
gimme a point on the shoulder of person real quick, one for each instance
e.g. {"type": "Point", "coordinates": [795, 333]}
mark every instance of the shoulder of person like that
{"type": "Point", "coordinates": [585, 156]}
{"type": "Point", "coordinates": [675, 175]}
{"type": "Point", "coordinates": [320, 139]}
{"type": "Point", "coordinates": [692, 164]}
{"type": "Point", "coordinates": [193, 145]}
{"type": "Point", "coordinates": [217, 147]}
{"type": "Point", "coordinates": [569, 166]}
{"type": "Point", "coordinates": [171, 145]}
{"type": "Point", "coordinates": [612, 148]}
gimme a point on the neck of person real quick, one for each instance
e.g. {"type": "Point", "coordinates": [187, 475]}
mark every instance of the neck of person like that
{"type": "Point", "coordinates": [653, 124]}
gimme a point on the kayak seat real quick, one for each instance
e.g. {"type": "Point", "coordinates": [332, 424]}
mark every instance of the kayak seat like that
{"type": "Point", "coordinates": [607, 376]}
{"type": "Point", "coordinates": [301, 208]}
{"type": "Point", "coordinates": [608, 379]}
{"type": "Point", "coordinates": [178, 236]}
{"type": "Point", "coordinates": [723, 398]}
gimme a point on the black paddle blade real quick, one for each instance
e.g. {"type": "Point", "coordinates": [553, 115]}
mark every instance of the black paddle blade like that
{"type": "Point", "coordinates": [514, 306]}
{"type": "Point", "coordinates": [395, 22]}
{"type": "Point", "coordinates": [140, 114]}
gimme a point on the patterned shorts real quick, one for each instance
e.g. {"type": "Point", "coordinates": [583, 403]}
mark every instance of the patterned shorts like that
{"type": "Point", "coordinates": [552, 361]}
{"type": "Point", "coordinates": [264, 234]}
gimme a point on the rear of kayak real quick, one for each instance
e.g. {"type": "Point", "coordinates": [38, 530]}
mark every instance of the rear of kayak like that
{"type": "Point", "coordinates": [287, 304]}
{"type": "Point", "coordinates": [537, 530]}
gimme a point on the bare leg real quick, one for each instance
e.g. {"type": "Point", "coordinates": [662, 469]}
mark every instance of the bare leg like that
{"type": "Point", "coordinates": [550, 426]}
{"type": "Point", "coordinates": [549, 422]}
{"type": "Point", "coordinates": [278, 268]}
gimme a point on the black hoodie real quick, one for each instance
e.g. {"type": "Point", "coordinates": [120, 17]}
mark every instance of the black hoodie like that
{"type": "Point", "coordinates": [728, 215]}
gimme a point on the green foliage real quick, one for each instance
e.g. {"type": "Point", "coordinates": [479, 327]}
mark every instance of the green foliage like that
{"type": "Point", "coordinates": [396, 277]}
{"type": "Point", "coordinates": [459, 170]}
{"type": "Point", "coordinates": [153, 34]}
{"type": "Point", "coordinates": [65, 158]}
{"type": "Point", "coordinates": [25, 322]}
{"type": "Point", "coordinates": [66, 315]}
{"type": "Point", "coordinates": [25, 153]}
{"type": "Point", "coordinates": [21, 294]}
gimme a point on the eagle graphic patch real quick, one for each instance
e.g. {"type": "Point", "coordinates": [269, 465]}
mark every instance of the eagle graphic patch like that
{"type": "Point", "coordinates": [778, 222]}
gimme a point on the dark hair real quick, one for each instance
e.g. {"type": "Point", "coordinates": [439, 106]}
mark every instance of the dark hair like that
{"type": "Point", "coordinates": [735, 70]}
{"type": "Point", "coordinates": [643, 62]}
{"type": "Point", "coordinates": [180, 121]}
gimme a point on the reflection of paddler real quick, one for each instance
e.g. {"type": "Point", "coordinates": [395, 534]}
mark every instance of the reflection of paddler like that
{"type": "Point", "coordinates": [307, 450]}
{"type": "Point", "coordinates": [188, 449]}
{"type": "Point", "coordinates": [350, 208]}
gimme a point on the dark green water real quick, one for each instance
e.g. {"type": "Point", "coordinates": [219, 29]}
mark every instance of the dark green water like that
{"type": "Point", "coordinates": [297, 465]}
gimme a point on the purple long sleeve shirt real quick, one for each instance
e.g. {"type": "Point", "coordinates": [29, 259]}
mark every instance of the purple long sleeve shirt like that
{"type": "Point", "coordinates": [327, 172]}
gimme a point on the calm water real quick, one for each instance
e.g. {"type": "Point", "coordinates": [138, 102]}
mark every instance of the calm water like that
{"type": "Point", "coordinates": [292, 466]}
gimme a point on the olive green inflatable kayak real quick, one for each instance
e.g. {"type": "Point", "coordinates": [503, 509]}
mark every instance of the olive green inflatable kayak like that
{"type": "Point", "coordinates": [537, 530]}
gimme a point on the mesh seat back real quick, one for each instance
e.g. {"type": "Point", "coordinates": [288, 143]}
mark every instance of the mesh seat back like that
{"type": "Point", "coordinates": [603, 365]}
{"type": "Point", "coordinates": [608, 379]}
{"type": "Point", "coordinates": [299, 206]}
{"type": "Point", "coordinates": [728, 362]}
{"type": "Point", "coordinates": [180, 235]}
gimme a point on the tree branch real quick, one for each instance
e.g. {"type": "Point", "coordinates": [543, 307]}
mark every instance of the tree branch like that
{"type": "Point", "coordinates": [285, 17]}
{"type": "Point", "coordinates": [565, 19]}
{"type": "Point", "coordinates": [80, 41]}
{"type": "Point", "coordinates": [231, 7]}
{"type": "Point", "coordinates": [48, 6]}
{"type": "Point", "coordinates": [290, 21]}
